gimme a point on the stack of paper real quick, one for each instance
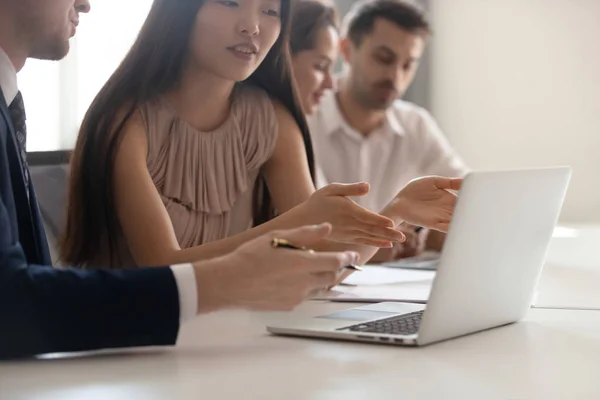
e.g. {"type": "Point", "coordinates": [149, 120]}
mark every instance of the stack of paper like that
{"type": "Point", "coordinates": [375, 284]}
{"type": "Point", "coordinates": [428, 260]}
{"type": "Point", "coordinates": [376, 275]}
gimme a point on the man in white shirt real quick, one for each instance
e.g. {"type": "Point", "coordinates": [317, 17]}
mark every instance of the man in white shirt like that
{"type": "Point", "coordinates": [363, 132]}
{"type": "Point", "coordinates": [48, 310]}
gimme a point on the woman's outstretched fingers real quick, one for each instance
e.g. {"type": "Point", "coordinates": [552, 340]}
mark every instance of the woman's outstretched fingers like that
{"type": "Point", "coordinates": [346, 189]}
{"type": "Point", "coordinates": [306, 235]}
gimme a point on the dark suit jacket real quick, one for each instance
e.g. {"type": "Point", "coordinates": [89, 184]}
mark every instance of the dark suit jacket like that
{"type": "Point", "coordinates": [47, 310]}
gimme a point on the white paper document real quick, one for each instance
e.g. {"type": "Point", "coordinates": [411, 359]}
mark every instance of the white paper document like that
{"type": "Point", "coordinates": [428, 260]}
{"type": "Point", "coordinates": [375, 284]}
{"type": "Point", "coordinates": [377, 275]}
{"type": "Point", "coordinates": [375, 294]}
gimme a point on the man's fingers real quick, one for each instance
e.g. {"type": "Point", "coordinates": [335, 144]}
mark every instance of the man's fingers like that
{"type": "Point", "coordinates": [340, 278]}
{"type": "Point", "coordinates": [322, 280]}
{"type": "Point", "coordinates": [328, 261]}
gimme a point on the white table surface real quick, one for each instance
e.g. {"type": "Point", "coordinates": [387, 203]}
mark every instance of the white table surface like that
{"type": "Point", "coordinates": [571, 276]}
{"type": "Point", "coordinates": [554, 354]}
{"type": "Point", "coordinates": [576, 246]}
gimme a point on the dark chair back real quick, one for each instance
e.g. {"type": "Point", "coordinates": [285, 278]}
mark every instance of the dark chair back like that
{"type": "Point", "coordinates": [49, 174]}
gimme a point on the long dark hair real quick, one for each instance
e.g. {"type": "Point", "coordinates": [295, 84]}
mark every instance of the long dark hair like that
{"type": "Point", "coordinates": [152, 67]}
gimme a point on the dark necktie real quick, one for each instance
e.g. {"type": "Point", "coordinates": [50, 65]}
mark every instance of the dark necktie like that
{"type": "Point", "coordinates": [17, 113]}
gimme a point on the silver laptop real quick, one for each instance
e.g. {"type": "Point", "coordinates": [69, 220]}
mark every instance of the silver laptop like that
{"type": "Point", "coordinates": [488, 271]}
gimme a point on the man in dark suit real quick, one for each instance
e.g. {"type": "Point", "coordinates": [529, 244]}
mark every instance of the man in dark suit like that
{"type": "Point", "coordinates": [47, 310]}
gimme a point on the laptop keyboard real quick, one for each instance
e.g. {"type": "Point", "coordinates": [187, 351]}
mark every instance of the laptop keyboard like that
{"type": "Point", "coordinates": [405, 324]}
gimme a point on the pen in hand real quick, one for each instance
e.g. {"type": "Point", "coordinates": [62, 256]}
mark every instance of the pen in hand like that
{"type": "Point", "coordinates": [285, 244]}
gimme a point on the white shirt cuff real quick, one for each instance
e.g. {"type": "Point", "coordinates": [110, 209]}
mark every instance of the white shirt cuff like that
{"type": "Point", "coordinates": [185, 278]}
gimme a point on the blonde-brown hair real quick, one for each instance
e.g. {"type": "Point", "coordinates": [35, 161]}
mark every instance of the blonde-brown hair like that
{"type": "Point", "coordinates": [309, 17]}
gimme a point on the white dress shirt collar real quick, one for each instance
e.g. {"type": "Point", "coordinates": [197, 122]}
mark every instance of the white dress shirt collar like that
{"type": "Point", "coordinates": [8, 78]}
{"type": "Point", "coordinates": [334, 121]}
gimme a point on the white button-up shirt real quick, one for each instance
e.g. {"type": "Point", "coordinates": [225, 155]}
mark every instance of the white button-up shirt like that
{"type": "Point", "coordinates": [185, 277]}
{"type": "Point", "coordinates": [409, 144]}
{"type": "Point", "coordinates": [8, 78]}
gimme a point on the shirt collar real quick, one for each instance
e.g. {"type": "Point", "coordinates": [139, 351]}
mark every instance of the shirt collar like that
{"type": "Point", "coordinates": [334, 121]}
{"type": "Point", "coordinates": [8, 78]}
{"type": "Point", "coordinates": [393, 123]}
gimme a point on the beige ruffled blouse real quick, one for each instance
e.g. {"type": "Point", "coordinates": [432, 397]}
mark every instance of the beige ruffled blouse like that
{"type": "Point", "coordinates": [206, 179]}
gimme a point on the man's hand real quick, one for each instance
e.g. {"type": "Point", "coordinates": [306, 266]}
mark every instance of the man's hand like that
{"type": "Point", "coordinates": [257, 276]}
{"type": "Point", "coordinates": [428, 202]}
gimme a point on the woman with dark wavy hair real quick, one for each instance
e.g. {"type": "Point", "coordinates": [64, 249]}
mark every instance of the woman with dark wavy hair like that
{"type": "Point", "coordinates": [198, 136]}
